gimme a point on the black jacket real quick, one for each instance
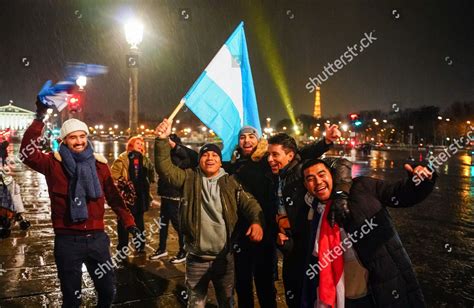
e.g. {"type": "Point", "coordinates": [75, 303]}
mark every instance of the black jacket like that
{"type": "Point", "coordinates": [255, 176]}
{"type": "Point", "coordinates": [182, 157]}
{"type": "Point", "coordinates": [392, 281]}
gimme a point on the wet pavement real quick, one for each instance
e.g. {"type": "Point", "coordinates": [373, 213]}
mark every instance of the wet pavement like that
{"type": "Point", "coordinates": [438, 235]}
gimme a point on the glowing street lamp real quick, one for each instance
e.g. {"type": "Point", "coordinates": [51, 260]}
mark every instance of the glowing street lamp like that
{"type": "Point", "coordinates": [81, 82]}
{"type": "Point", "coordinates": [134, 36]}
{"type": "Point", "coordinates": [134, 33]}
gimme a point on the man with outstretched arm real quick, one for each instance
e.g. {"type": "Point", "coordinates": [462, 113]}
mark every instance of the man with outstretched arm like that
{"type": "Point", "coordinates": [360, 263]}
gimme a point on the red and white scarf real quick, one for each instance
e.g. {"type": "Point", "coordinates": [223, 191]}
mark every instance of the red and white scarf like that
{"type": "Point", "coordinates": [331, 276]}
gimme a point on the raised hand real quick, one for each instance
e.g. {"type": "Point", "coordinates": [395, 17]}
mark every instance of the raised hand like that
{"type": "Point", "coordinates": [420, 172]}
{"type": "Point", "coordinates": [332, 133]}
{"type": "Point", "coordinates": [163, 130]}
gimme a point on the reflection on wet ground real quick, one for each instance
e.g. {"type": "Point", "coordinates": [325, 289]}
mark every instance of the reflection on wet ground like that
{"type": "Point", "coordinates": [438, 235]}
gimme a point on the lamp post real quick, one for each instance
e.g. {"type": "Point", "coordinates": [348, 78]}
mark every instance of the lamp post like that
{"type": "Point", "coordinates": [134, 36]}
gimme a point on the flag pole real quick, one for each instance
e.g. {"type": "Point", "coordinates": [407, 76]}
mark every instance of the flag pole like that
{"type": "Point", "coordinates": [175, 112]}
{"type": "Point", "coordinates": [177, 109]}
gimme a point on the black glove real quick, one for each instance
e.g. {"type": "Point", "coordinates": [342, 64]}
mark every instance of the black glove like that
{"type": "Point", "coordinates": [133, 230]}
{"type": "Point", "coordinates": [41, 110]}
{"type": "Point", "coordinates": [339, 210]}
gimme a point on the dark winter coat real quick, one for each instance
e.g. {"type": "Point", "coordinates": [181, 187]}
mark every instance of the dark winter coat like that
{"type": "Point", "coordinates": [391, 281]}
{"type": "Point", "coordinates": [255, 176]}
{"type": "Point", "coordinates": [381, 251]}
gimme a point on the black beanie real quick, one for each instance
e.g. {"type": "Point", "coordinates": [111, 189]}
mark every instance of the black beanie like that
{"type": "Point", "coordinates": [210, 147]}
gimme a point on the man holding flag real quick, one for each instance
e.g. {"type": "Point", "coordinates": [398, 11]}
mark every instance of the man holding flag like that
{"type": "Point", "coordinates": [212, 203]}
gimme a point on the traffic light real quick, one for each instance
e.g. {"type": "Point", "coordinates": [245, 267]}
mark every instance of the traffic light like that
{"type": "Point", "coordinates": [355, 119]}
{"type": "Point", "coordinates": [74, 103]}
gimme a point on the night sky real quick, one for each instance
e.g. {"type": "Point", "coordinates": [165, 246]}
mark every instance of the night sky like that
{"type": "Point", "coordinates": [423, 54]}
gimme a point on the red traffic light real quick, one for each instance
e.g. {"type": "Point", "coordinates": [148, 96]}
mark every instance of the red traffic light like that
{"type": "Point", "coordinates": [74, 103]}
{"type": "Point", "coordinates": [354, 116]}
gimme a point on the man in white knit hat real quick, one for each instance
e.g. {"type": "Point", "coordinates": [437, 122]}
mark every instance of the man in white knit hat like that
{"type": "Point", "coordinates": [79, 183]}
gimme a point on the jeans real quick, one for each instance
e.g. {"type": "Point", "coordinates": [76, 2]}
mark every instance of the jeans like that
{"type": "Point", "coordinates": [170, 212]}
{"type": "Point", "coordinates": [70, 252]}
{"type": "Point", "coordinates": [200, 272]}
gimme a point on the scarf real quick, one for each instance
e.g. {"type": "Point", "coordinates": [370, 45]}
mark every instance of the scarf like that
{"type": "Point", "coordinates": [331, 276]}
{"type": "Point", "coordinates": [136, 171]}
{"type": "Point", "coordinates": [83, 180]}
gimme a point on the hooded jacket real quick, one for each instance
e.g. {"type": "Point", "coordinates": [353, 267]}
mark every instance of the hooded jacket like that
{"type": "Point", "coordinates": [234, 199]}
{"type": "Point", "coordinates": [49, 164]}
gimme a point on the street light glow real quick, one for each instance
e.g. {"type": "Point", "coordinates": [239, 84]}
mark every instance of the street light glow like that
{"type": "Point", "coordinates": [134, 33]}
{"type": "Point", "coordinates": [81, 82]}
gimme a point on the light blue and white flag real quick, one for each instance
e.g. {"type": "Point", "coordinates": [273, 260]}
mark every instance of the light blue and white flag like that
{"type": "Point", "coordinates": [223, 97]}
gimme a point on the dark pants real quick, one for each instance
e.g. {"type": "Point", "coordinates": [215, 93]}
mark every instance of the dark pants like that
{"type": "Point", "coordinates": [122, 232]}
{"type": "Point", "coordinates": [170, 212]}
{"type": "Point", "coordinates": [200, 272]}
{"type": "Point", "coordinates": [255, 261]}
{"type": "Point", "coordinates": [70, 252]}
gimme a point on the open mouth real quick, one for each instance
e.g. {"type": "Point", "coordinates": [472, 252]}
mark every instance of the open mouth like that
{"type": "Point", "coordinates": [322, 189]}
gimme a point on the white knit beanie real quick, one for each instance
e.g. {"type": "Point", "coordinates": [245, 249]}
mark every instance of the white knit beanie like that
{"type": "Point", "coordinates": [73, 125]}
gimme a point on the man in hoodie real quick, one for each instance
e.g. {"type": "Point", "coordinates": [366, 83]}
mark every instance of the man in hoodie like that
{"type": "Point", "coordinates": [212, 202]}
{"type": "Point", "coordinates": [79, 182]}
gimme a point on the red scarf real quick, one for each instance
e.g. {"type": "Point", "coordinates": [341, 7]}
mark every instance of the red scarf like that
{"type": "Point", "coordinates": [332, 274]}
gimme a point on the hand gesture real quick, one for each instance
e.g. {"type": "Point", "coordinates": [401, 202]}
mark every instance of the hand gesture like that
{"type": "Point", "coordinates": [420, 172]}
{"type": "Point", "coordinates": [332, 133]}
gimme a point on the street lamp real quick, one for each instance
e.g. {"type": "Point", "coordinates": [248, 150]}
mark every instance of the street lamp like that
{"type": "Point", "coordinates": [268, 122]}
{"type": "Point", "coordinates": [134, 36]}
{"type": "Point", "coordinates": [81, 82]}
{"type": "Point", "coordinates": [134, 33]}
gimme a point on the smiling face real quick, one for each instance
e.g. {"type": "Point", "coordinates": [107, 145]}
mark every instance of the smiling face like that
{"type": "Point", "coordinates": [318, 181]}
{"type": "Point", "coordinates": [279, 157]}
{"type": "Point", "coordinates": [76, 141]}
{"type": "Point", "coordinates": [210, 163]}
{"type": "Point", "coordinates": [247, 143]}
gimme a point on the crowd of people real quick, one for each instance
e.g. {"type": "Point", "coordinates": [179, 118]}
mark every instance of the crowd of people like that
{"type": "Point", "coordinates": [339, 245]}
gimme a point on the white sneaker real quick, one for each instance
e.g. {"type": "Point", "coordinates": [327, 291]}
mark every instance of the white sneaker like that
{"type": "Point", "coordinates": [158, 255]}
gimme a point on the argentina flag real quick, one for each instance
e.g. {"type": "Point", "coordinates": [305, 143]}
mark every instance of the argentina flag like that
{"type": "Point", "coordinates": [223, 97]}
